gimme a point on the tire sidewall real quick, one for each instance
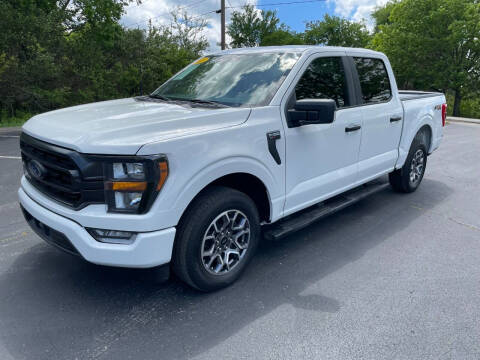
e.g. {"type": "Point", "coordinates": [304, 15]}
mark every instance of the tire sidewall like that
{"type": "Point", "coordinates": [201, 221]}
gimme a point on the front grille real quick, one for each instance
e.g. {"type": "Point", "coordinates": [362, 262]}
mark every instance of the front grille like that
{"type": "Point", "coordinates": [50, 235]}
{"type": "Point", "coordinates": [67, 176]}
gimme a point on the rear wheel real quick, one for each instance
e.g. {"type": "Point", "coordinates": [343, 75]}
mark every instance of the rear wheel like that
{"type": "Point", "coordinates": [408, 178]}
{"type": "Point", "coordinates": [216, 239]}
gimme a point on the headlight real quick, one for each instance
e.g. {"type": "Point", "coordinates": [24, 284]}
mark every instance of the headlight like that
{"type": "Point", "coordinates": [128, 171]}
{"type": "Point", "coordinates": [132, 185]}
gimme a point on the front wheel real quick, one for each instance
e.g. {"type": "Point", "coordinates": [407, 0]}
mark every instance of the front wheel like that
{"type": "Point", "coordinates": [408, 178]}
{"type": "Point", "coordinates": [216, 239]}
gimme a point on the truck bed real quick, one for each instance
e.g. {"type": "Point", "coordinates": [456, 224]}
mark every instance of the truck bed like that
{"type": "Point", "coordinates": [406, 95]}
{"type": "Point", "coordinates": [420, 106]}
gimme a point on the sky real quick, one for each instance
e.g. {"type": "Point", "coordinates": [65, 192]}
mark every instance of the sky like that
{"type": "Point", "coordinates": [294, 15]}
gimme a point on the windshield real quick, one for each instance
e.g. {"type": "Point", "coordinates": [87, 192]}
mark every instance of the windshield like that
{"type": "Point", "coordinates": [233, 80]}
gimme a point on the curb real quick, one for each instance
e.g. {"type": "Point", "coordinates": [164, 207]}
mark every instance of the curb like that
{"type": "Point", "coordinates": [463, 120]}
{"type": "Point", "coordinates": [8, 130]}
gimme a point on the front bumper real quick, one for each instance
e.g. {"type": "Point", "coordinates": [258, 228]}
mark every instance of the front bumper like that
{"type": "Point", "coordinates": [148, 250]}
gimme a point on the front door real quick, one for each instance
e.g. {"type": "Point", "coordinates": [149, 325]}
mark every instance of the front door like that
{"type": "Point", "coordinates": [321, 159]}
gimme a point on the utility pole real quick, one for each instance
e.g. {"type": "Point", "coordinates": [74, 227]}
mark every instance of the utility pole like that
{"type": "Point", "coordinates": [222, 16]}
{"type": "Point", "coordinates": [222, 21]}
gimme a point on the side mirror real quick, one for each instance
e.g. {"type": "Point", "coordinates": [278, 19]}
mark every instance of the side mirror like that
{"type": "Point", "coordinates": [312, 111]}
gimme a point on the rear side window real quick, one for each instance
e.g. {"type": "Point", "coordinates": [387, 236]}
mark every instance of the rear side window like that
{"type": "Point", "coordinates": [374, 80]}
{"type": "Point", "coordinates": [323, 79]}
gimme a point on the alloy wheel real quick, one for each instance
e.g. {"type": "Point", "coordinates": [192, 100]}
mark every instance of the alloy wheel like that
{"type": "Point", "coordinates": [416, 167]}
{"type": "Point", "coordinates": [225, 242]}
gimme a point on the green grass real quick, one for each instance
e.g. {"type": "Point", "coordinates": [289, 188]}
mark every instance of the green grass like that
{"type": "Point", "coordinates": [19, 120]}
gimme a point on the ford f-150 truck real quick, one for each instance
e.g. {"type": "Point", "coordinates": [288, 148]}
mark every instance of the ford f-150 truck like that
{"type": "Point", "coordinates": [240, 144]}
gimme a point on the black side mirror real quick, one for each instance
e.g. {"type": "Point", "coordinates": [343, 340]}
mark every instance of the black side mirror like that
{"type": "Point", "coordinates": [312, 111]}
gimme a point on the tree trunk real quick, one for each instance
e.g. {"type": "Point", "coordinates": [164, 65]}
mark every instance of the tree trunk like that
{"type": "Point", "coordinates": [456, 103]}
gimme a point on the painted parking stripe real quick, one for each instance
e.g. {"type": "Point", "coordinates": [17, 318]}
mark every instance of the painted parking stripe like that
{"type": "Point", "coordinates": [10, 157]}
{"type": "Point", "coordinates": [10, 136]}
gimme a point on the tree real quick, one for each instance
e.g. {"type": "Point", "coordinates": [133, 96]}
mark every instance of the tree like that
{"type": "Point", "coordinates": [167, 49]}
{"type": "Point", "coordinates": [381, 14]}
{"type": "Point", "coordinates": [282, 36]}
{"type": "Point", "coordinates": [187, 32]}
{"type": "Point", "coordinates": [433, 44]}
{"type": "Point", "coordinates": [67, 52]}
{"type": "Point", "coordinates": [250, 26]}
{"type": "Point", "coordinates": [28, 30]}
{"type": "Point", "coordinates": [36, 38]}
{"type": "Point", "coordinates": [336, 31]}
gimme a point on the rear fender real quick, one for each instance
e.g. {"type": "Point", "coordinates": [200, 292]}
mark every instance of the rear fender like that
{"type": "Point", "coordinates": [409, 134]}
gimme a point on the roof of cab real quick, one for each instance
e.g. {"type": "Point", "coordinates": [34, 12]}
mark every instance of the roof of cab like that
{"type": "Point", "coordinates": [294, 48]}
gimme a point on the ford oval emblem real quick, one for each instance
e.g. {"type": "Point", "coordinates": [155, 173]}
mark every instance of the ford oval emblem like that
{"type": "Point", "coordinates": [36, 170]}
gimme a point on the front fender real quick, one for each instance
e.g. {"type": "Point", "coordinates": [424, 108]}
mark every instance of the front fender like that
{"type": "Point", "coordinates": [197, 161]}
{"type": "Point", "coordinates": [224, 167]}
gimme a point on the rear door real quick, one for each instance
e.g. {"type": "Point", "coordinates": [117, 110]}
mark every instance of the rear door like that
{"type": "Point", "coordinates": [321, 159]}
{"type": "Point", "coordinates": [382, 113]}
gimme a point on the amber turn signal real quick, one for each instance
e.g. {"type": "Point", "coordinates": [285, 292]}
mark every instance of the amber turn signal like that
{"type": "Point", "coordinates": [163, 167]}
{"type": "Point", "coordinates": [126, 185]}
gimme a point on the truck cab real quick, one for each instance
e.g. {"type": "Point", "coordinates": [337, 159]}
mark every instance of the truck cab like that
{"type": "Point", "coordinates": [231, 149]}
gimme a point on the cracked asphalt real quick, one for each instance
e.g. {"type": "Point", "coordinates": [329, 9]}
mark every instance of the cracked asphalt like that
{"type": "Point", "coordinates": [392, 277]}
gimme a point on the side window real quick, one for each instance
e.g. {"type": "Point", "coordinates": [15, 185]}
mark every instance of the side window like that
{"type": "Point", "coordinates": [324, 79]}
{"type": "Point", "coordinates": [374, 80]}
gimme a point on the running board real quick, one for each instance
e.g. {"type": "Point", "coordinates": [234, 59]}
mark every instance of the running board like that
{"type": "Point", "coordinates": [314, 213]}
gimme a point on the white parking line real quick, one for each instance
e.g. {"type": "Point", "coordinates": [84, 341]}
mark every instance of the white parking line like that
{"type": "Point", "coordinates": [10, 157]}
{"type": "Point", "coordinates": [9, 136]}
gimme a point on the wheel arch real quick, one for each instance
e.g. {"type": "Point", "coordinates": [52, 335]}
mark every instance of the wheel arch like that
{"type": "Point", "coordinates": [425, 134]}
{"type": "Point", "coordinates": [423, 126]}
{"type": "Point", "coordinates": [184, 186]}
{"type": "Point", "coordinates": [249, 184]}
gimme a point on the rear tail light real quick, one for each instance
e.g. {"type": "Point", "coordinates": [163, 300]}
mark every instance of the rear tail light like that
{"type": "Point", "coordinates": [444, 114]}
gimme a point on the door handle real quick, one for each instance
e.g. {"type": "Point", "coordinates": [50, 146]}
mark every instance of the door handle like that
{"type": "Point", "coordinates": [395, 118]}
{"type": "Point", "coordinates": [272, 138]}
{"type": "Point", "coordinates": [352, 128]}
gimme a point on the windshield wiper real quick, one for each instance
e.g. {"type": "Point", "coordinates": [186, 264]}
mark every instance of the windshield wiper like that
{"type": "Point", "coordinates": [195, 101]}
{"type": "Point", "coordinates": [161, 97]}
{"type": "Point", "coordinates": [208, 102]}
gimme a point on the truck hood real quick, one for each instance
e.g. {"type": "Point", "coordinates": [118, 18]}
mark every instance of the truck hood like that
{"type": "Point", "coordinates": [123, 126]}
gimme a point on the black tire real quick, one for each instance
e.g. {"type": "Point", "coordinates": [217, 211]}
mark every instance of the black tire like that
{"type": "Point", "coordinates": [400, 179]}
{"type": "Point", "coordinates": [188, 262]}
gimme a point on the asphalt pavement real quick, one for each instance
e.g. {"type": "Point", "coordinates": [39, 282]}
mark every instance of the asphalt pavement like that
{"type": "Point", "coordinates": [392, 277]}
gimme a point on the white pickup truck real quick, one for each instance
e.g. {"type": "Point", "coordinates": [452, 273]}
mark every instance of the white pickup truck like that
{"type": "Point", "coordinates": [240, 144]}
